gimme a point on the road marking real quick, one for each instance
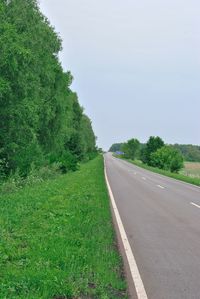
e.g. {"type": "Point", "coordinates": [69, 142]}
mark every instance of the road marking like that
{"type": "Point", "coordinates": [194, 204]}
{"type": "Point", "coordinates": [161, 187]}
{"type": "Point", "coordinates": [135, 173]}
{"type": "Point", "coordinates": [144, 178]}
{"type": "Point", "coordinates": [189, 185]}
{"type": "Point", "coordinates": [139, 286]}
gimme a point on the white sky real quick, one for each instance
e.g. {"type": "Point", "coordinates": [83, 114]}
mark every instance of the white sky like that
{"type": "Point", "coordinates": [136, 65]}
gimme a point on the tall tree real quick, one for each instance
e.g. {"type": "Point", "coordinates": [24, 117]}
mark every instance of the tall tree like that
{"type": "Point", "coordinates": [152, 145]}
{"type": "Point", "coordinates": [116, 147]}
{"type": "Point", "coordinates": [88, 139]}
{"type": "Point", "coordinates": [131, 148]}
{"type": "Point", "coordinates": [39, 115]}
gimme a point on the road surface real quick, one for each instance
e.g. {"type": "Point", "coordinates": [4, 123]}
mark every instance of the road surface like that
{"type": "Point", "coordinates": [161, 218]}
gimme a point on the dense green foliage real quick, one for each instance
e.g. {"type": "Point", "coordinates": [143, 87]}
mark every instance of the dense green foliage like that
{"type": "Point", "coordinates": [152, 145]}
{"type": "Point", "coordinates": [57, 239]}
{"type": "Point", "coordinates": [167, 158]}
{"type": "Point", "coordinates": [190, 152]}
{"type": "Point", "coordinates": [116, 147]}
{"type": "Point", "coordinates": [154, 153]}
{"type": "Point", "coordinates": [41, 120]}
{"type": "Point", "coordinates": [131, 148]}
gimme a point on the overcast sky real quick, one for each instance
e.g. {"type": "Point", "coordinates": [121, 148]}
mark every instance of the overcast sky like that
{"type": "Point", "coordinates": [136, 65]}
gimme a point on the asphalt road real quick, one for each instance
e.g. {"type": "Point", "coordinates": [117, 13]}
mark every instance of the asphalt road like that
{"type": "Point", "coordinates": [161, 217]}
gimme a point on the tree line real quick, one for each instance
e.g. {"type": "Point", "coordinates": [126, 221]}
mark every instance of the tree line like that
{"type": "Point", "coordinates": [154, 153]}
{"type": "Point", "coordinates": [41, 120]}
{"type": "Point", "coordinates": [190, 152]}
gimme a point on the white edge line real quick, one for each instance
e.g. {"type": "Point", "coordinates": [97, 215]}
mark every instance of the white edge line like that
{"type": "Point", "coordinates": [194, 204]}
{"type": "Point", "coordinates": [139, 286]}
{"type": "Point", "coordinates": [161, 187]}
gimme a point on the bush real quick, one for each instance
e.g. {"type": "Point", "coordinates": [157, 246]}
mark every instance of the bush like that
{"type": "Point", "coordinates": [176, 163]}
{"type": "Point", "coordinates": [167, 158]}
{"type": "Point", "coordinates": [67, 161]}
{"type": "Point", "coordinates": [90, 156]}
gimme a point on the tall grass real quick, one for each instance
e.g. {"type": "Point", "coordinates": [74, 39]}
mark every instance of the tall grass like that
{"type": "Point", "coordinates": [57, 239]}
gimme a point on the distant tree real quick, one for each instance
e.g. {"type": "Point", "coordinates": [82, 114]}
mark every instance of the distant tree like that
{"type": "Point", "coordinates": [167, 158]}
{"type": "Point", "coordinates": [131, 148]}
{"type": "Point", "coordinates": [190, 152]}
{"type": "Point", "coordinates": [153, 144]}
{"type": "Point", "coordinates": [116, 147]}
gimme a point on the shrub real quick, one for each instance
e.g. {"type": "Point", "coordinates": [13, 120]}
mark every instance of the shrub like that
{"type": "Point", "coordinates": [66, 161]}
{"type": "Point", "coordinates": [167, 158]}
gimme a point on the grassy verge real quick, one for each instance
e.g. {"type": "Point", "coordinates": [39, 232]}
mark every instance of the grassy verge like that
{"type": "Point", "coordinates": [57, 239]}
{"type": "Point", "coordinates": [177, 176]}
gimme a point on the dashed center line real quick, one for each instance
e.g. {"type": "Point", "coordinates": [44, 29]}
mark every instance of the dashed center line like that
{"type": "Point", "coordinates": [144, 178]}
{"type": "Point", "coordinates": [194, 204]}
{"type": "Point", "coordinates": [161, 187]}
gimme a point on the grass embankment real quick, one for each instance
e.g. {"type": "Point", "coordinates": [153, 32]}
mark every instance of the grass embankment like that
{"type": "Point", "coordinates": [177, 176]}
{"type": "Point", "coordinates": [57, 239]}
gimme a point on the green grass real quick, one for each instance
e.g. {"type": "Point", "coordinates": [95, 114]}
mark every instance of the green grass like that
{"type": "Point", "coordinates": [177, 176]}
{"type": "Point", "coordinates": [57, 239]}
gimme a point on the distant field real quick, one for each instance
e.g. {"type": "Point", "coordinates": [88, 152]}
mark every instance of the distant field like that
{"type": "Point", "coordinates": [192, 169]}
